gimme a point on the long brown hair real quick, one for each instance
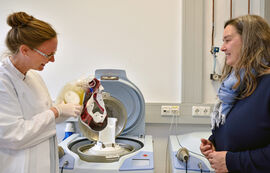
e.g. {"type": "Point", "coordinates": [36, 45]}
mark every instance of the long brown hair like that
{"type": "Point", "coordinates": [27, 30]}
{"type": "Point", "coordinates": [255, 51]}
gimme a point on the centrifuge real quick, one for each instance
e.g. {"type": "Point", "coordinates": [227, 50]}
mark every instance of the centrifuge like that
{"type": "Point", "coordinates": [128, 149]}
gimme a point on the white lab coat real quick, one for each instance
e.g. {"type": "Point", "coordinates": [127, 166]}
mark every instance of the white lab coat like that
{"type": "Point", "coordinates": [27, 126]}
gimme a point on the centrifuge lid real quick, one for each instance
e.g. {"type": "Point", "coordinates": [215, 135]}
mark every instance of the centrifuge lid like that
{"type": "Point", "coordinates": [116, 83]}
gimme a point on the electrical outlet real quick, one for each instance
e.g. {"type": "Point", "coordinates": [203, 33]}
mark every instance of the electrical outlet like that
{"type": "Point", "coordinates": [175, 110]}
{"type": "Point", "coordinates": [195, 110]}
{"type": "Point", "coordinates": [201, 111]}
{"type": "Point", "coordinates": [168, 110]}
{"type": "Point", "coordinates": [165, 110]}
{"type": "Point", "coordinates": [206, 110]}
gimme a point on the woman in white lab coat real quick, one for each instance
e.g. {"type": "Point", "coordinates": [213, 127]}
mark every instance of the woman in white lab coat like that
{"type": "Point", "coordinates": [27, 116]}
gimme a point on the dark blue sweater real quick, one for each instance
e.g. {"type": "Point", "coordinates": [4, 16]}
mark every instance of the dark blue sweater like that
{"type": "Point", "coordinates": [246, 132]}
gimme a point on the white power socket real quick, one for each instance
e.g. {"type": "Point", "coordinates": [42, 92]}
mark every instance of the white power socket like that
{"type": "Point", "coordinates": [169, 110]}
{"type": "Point", "coordinates": [201, 111]}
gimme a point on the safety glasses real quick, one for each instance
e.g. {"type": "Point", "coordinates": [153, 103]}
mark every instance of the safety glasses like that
{"type": "Point", "coordinates": [43, 54]}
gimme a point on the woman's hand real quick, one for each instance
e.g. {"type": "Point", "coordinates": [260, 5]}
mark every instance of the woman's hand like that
{"type": "Point", "coordinates": [206, 147]}
{"type": "Point", "coordinates": [218, 161]}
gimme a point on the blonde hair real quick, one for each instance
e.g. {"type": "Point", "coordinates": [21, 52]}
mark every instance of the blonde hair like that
{"type": "Point", "coordinates": [27, 30]}
{"type": "Point", "coordinates": [255, 51]}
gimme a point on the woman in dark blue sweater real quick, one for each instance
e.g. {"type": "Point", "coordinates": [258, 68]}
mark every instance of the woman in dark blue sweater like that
{"type": "Point", "coordinates": [240, 140]}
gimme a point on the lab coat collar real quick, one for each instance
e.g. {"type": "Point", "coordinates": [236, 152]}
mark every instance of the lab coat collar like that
{"type": "Point", "coordinates": [14, 69]}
